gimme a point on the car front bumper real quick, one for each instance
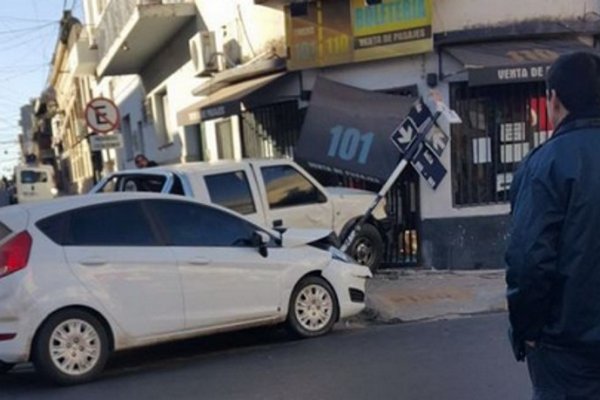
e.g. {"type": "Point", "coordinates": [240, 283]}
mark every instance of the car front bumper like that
{"type": "Point", "coordinates": [347, 281]}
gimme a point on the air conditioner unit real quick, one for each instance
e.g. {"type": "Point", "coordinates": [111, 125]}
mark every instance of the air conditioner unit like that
{"type": "Point", "coordinates": [203, 50]}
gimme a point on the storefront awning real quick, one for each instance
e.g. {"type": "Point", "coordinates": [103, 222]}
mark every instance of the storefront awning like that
{"type": "Point", "coordinates": [512, 61]}
{"type": "Point", "coordinates": [224, 102]}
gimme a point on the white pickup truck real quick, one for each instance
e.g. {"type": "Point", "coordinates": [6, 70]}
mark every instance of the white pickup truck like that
{"type": "Point", "coordinates": [277, 193]}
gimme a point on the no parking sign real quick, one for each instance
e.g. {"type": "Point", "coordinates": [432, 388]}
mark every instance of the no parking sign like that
{"type": "Point", "coordinates": [102, 115]}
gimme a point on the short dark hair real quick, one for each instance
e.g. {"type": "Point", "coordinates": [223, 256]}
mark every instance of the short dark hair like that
{"type": "Point", "coordinates": [576, 79]}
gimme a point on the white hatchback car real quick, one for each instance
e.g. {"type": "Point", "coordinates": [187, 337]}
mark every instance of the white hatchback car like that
{"type": "Point", "coordinates": [81, 277]}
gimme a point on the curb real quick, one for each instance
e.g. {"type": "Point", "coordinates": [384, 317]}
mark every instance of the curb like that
{"type": "Point", "coordinates": [418, 295]}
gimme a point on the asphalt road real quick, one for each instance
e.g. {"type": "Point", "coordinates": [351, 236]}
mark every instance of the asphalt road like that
{"type": "Point", "coordinates": [459, 359]}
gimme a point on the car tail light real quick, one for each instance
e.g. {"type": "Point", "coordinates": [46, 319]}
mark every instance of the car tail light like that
{"type": "Point", "coordinates": [14, 254]}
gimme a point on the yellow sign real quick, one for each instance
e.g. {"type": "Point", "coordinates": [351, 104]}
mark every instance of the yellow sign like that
{"type": "Point", "coordinates": [333, 32]}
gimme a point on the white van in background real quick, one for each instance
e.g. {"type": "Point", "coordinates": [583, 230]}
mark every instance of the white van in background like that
{"type": "Point", "coordinates": [34, 183]}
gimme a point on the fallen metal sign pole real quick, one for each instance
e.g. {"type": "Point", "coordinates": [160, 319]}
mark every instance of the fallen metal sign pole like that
{"type": "Point", "coordinates": [409, 154]}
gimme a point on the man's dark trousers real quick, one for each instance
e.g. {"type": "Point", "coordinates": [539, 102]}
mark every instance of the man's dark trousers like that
{"type": "Point", "coordinates": [559, 374]}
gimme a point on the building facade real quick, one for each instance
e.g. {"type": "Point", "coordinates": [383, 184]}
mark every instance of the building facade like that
{"type": "Point", "coordinates": [488, 62]}
{"type": "Point", "coordinates": [153, 82]}
{"type": "Point", "coordinates": [205, 80]}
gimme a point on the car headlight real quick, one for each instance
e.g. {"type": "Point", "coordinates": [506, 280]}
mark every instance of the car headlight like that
{"type": "Point", "coordinates": [54, 191]}
{"type": "Point", "coordinates": [339, 255]}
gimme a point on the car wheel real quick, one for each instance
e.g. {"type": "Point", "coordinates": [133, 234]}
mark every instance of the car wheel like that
{"type": "Point", "coordinates": [5, 367]}
{"type": "Point", "coordinates": [367, 247]}
{"type": "Point", "coordinates": [71, 347]}
{"type": "Point", "coordinates": [313, 308]}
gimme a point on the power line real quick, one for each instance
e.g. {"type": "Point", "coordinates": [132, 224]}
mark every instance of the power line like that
{"type": "Point", "coordinates": [18, 19]}
{"type": "Point", "coordinates": [29, 29]}
{"type": "Point", "coordinates": [22, 66]}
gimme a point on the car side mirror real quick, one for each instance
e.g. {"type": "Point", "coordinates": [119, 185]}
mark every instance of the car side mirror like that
{"type": "Point", "coordinates": [278, 226]}
{"type": "Point", "coordinates": [261, 240]}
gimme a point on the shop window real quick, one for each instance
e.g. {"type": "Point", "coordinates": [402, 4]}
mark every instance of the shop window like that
{"type": "Point", "coordinates": [271, 131]}
{"type": "Point", "coordinates": [162, 116]}
{"type": "Point", "coordinates": [501, 125]}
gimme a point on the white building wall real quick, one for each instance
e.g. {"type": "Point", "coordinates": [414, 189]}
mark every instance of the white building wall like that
{"type": "Point", "coordinates": [257, 30]}
{"type": "Point", "coordinates": [454, 15]}
{"type": "Point", "coordinates": [254, 27]}
{"type": "Point", "coordinates": [179, 88]}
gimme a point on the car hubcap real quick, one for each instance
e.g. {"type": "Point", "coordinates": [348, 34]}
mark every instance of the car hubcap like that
{"type": "Point", "coordinates": [75, 347]}
{"type": "Point", "coordinates": [363, 252]}
{"type": "Point", "coordinates": [314, 307]}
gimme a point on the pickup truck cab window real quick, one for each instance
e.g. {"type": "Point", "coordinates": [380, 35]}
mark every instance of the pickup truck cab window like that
{"type": "Point", "coordinates": [231, 190]}
{"type": "Point", "coordinates": [286, 187]}
{"type": "Point", "coordinates": [141, 183]}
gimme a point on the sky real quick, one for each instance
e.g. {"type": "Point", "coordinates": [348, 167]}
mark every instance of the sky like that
{"type": "Point", "coordinates": [28, 37]}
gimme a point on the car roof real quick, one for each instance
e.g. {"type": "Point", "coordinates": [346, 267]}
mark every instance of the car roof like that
{"type": "Point", "coordinates": [203, 166]}
{"type": "Point", "coordinates": [75, 201]}
{"type": "Point", "coordinates": [44, 208]}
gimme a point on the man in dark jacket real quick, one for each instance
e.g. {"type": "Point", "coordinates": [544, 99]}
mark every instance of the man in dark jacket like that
{"type": "Point", "coordinates": [553, 258]}
{"type": "Point", "coordinates": [141, 161]}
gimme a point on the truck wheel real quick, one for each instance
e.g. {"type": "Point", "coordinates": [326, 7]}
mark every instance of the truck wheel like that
{"type": "Point", "coordinates": [71, 347]}
{"type": "Point", "coordinates": [367, 247]}
{"type": "Point", "coordinates": [313, 308]}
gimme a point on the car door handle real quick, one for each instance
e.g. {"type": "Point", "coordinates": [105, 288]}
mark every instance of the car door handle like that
{"type": "Point", "coordinates": [199, 261]}
{"type": "Point", "coordinates": [93, 262]}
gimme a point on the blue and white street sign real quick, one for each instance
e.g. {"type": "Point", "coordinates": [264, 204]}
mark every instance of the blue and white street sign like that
{"type": "Point", "coordinates": [437, 141]}
{"type": "Point", "coordinates": [429, 166]}
{"type": "Point", "coordinates": [415, 122]}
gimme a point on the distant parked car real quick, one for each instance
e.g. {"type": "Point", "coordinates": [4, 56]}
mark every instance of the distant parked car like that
{"type": "Point", "coordinates": [83, 276]}
{"type": "Point", "coordinates": [275, 192]}
{"type": "Point", "coordinates": [34, 183]}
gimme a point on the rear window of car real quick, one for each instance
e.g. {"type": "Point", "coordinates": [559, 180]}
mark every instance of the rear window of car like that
{"type": "Point", "coordinates": [33, 177]}
{"type": "Point", "coordinates": [54, 227]}
{"type": "Point", "coordinates": [134, 183]}
{"type": "Point", "coordinates": [231, 190]}
{"type": "Point", "coordinates": [128, 226]}
{"type": "Point", "coordinates": [4, 231]}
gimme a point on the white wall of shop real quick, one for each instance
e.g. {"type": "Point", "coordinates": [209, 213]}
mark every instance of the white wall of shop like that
{"type": "Point", "coordinates": [254, 27]}
{"type": "Point", "coordinates": [453, 15]}
{"type": "Point", "coordinates": [128, 95]}
{"type": "Point", "coordinates": [402, 72]}
{"type": "Point", "coordinates": [257, 30]}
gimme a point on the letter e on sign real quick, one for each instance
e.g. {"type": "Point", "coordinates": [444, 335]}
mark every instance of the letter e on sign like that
{"type": "Point", "coordinates": [102, 115]}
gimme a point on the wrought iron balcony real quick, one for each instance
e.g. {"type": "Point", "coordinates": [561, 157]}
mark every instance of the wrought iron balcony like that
{"type": "Point", "coordinates": [130, 32]}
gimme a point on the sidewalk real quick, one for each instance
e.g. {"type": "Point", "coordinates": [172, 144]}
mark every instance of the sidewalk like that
{"type": "Point", "coordinates": [413, 295]}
